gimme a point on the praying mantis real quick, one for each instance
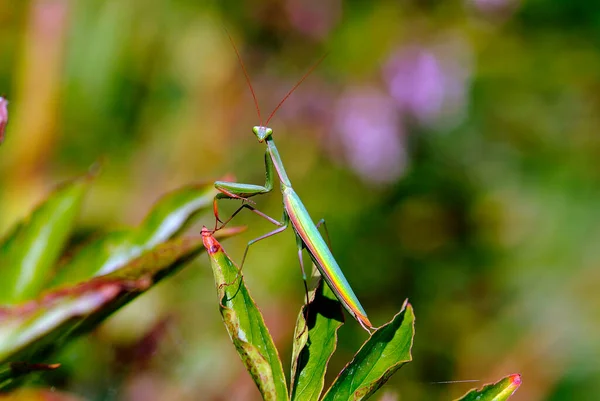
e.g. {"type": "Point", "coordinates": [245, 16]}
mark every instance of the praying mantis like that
{"type": "Point", "coordinates": [307, 232]}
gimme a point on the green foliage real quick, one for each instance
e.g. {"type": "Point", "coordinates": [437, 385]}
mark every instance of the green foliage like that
{"type": "Point", "coordinates": [37, 319]}
{"type": "Point", "coordinates": [246, 326]}
{"type": "Point", "coordinates": [490, 228]}
{"type": "Point", "coordinates": [386, 350]}
{"type": "Point", "coordinates": [168, 217]}
{"type": "Point", "coordinates": [315, 340]}
{"type": "Point", "coordinates": [30, 252]}
{"type": "Point", "coordinates": [500, 391]}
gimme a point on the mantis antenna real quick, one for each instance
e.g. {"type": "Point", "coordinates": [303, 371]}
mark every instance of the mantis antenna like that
{"type": "Point", "coordinates": [306, 75]}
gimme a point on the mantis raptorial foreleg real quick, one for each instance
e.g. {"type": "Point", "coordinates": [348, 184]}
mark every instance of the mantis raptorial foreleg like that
{"type": "Point", "coordinates": [237, 190]}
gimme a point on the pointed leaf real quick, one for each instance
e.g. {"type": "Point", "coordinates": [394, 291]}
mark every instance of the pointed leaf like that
{"type": "Point", "coordinates": [168, 217]}
{"type": "Point", "coordinates": [315, 341]}
{"type": "Point", "coordinates": [245, 324]}
{"type": "Point", "coordinates": [29, 331]}
{"type": "Point", "coordinates": [173, 211]}
{"type": "Point", "coordinates": [499, 391]}
{"type": "Point", "coordinates": [28, 254]}
{"type": "Point", "coordinates": [386, 351]}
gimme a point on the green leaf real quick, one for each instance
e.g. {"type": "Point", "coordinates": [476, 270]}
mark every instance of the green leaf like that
{"type": "Point", "coordinates": [315, 340]}
{"type": "Point", "coordinates": [386, 351]}
{"type": "Point", "coordinates": [169, 216]}
{"type": "Point", "coordinates": [31, 330]}
{"type": "Point", "coordinates": [245, 324]}
{"type": "Point", "coordinates": [499, 391]}
{"type": "Point", "coordinates": [29, 253]}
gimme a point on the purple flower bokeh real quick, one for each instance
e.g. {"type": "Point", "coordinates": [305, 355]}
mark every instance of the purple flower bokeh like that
{"type": "Point", "coordinates": [426, 84]}
{"type": "Point", "coordinates": [371, 135]}
{"type": "Point", "coordinates": [430, 84]}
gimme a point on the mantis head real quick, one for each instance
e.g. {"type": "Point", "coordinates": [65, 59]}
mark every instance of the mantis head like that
{"type": "Point", "coordinates": [261, 132]}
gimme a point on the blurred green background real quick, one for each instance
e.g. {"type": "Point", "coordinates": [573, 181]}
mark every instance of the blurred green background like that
{"type": "Point", "coordinates": [452, 146]}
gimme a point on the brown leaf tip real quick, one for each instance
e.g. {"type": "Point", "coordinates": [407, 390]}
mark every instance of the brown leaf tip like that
{"type": "Point", "coordinates": [21, 367]}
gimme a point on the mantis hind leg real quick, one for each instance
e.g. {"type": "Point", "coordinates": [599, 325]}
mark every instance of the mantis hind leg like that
{"type": "Point", "coordinates": [323, 223]}
{"type": "Point", "coordinates": [328, 239]}
{"type": "Point", "coordinates": [282, 225]}
{"type": "Point", "coordinates": [301, 247]}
